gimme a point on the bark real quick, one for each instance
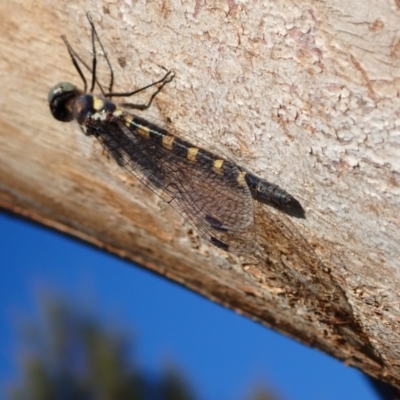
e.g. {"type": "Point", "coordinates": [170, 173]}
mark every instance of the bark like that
{"type": "Point", "coordinates": [305, 94]}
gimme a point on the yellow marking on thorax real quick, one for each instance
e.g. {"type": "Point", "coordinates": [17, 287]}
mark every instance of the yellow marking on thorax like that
{"type": "Point", "coordinates": [118, 112]}
{"type": "Point", "coordinates": [167, 142]}
{"type": "Point", "coordinates": [217, 165]}
{"type": "Point", "coordinates": [192, 153]}
{"type": "Point", "coordinates": [144, 131]}
{"type": "Point", "coordinates": [128, 120]}
{"type": "Point", "coordinates": [240, 178]}
{"type": "Point", "coordinates": [98, 103]}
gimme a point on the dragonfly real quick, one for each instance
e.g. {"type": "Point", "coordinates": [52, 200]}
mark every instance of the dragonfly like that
{"type": "Point", "coordinates": [213, 193]}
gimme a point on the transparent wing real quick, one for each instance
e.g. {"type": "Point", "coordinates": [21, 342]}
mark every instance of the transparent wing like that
{"type": "Point", "coordinates": [214, 201]}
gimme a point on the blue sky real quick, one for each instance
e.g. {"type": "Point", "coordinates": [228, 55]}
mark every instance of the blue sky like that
{"type": "Point", "coordinates": [223, 355]}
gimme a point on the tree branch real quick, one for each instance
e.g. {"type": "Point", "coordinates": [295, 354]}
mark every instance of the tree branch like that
{"type": "Point", "coordinates": [303, 94]}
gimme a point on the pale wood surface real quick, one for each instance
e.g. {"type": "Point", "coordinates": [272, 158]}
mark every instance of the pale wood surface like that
{"type": "Point", "coordinates": [305, 94]}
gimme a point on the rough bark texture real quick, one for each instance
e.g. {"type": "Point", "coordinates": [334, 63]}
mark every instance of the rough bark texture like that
{"type": "Point", "coordinates": [306, 94]}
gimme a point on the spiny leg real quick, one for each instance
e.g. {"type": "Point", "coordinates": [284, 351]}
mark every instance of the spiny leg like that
{"type": "Point", "coordinates": [164, 80]}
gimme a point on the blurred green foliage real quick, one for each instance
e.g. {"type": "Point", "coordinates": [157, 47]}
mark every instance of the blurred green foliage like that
{"type": "Point", "coordinates": [69, 354]}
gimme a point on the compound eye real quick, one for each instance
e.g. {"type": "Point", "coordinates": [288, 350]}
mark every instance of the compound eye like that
{"type": "Point", "coordinates": [61, 101]}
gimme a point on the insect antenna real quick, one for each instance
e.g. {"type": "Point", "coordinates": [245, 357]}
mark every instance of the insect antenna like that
{"type": "Point", "coordinates": [93, 70]}
{"type": "Point", "coordinates": [94, 60]}
{"type": "Point", "coordinates": [74, 57]}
